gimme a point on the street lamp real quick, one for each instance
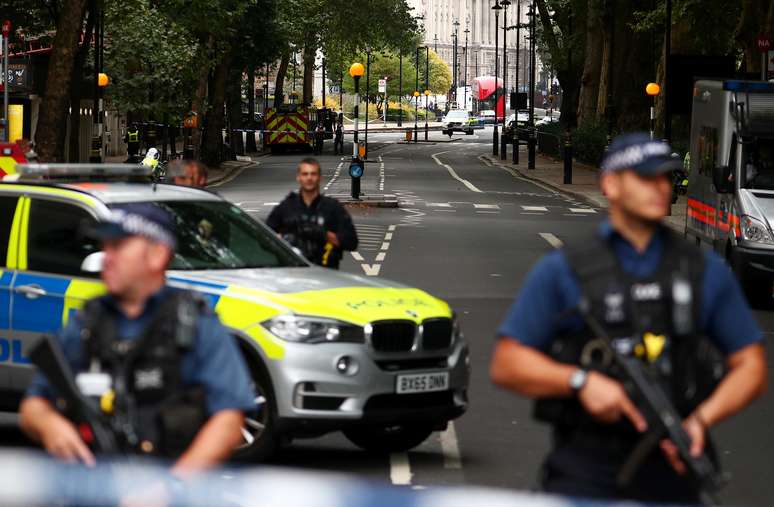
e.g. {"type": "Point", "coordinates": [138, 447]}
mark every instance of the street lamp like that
{"type": "Point", "coordinates": [496, 7]}
{"type": "Point", "coordinates": [465, 80]}
{"type": "Point", "coordinates": [454, 66]}
{"type": "Point", "coordinates": [652, 89]}
{"type": "Point", "coordinates": [367, 97]}
{"type": "Point", "coordinates": [356, 70]}
{"type": "Point", "coordinates": [427, 83]}
{"type": "Point", "coordinates": [532, 141]}
{"type": "Point", "coordinates": [400, 89]}
{"type": "Point", "coordinates": [416, 111]}
{"type": "Point", "coordinates": [503, 141]}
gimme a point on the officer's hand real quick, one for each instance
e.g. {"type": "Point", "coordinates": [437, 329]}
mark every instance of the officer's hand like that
{"type": "Point", "coordinates": [696, 431]}
{"type": "Point", "coordinates": [606, 400]}
{"type": "Point", "coordinates": [332, 238]}
{"type": "Point", "coordinates": [60, 438]}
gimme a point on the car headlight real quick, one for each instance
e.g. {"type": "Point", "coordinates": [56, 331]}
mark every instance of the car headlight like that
{"type": "Point", "coordinates": [298, 328]}
{"type": "Point", "coordinates": [755, 231]}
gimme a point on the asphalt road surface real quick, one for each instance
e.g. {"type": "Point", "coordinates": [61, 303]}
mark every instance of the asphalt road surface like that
{"type": "Point", "coordinates": [468, 232]}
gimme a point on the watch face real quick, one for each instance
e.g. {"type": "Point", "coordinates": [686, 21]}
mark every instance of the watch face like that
{"type": "Point", "coordinates": [356, 170]}
{"type": "Point", "coordinates": [577, 380]}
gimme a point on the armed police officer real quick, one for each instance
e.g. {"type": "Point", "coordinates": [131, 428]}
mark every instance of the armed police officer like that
{"type": "Point", "coordinates": [161, 360]}
{"type": "Point", "coordinates": [317, 225]}
{"type": "Point", "coordinates": [662, 301]}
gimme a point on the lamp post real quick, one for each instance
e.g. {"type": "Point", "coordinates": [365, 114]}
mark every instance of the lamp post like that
{"type": "Point", "coordinates": [400, 88]}
{"type": "Point", "coordinates": [356, 166]}
{"type": "Point", "coordinates": [435, 48]}
{"type": "Point", "coordinates": [503, 141]}
{"type": "Point", "coordinates": [367, 98]}
{"type": "Point", "coordinates": [454, 65]}
{"type": "Point", "coordinates": [416, 93]}
{"type": "Point", "coordinates": [532, 141]}
{"type": "Point", "coordinates": [496, 7]}
{"type": "Point", "coordinates": [427, 83]}
{"type": "Point", "coordinates": [465, 78]}
{"type": "Point", "coordinates": [96, 140]}
{"type": "Point", "coordinates": [653, 89]}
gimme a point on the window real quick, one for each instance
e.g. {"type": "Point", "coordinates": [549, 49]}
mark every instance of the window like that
{"type": "Point", "coordinates": [54, 240]}
{"type": "Point", "coordinates": [7, 211]}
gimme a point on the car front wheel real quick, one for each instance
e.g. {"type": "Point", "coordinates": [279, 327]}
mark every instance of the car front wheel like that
{"type": "Point", "coordinates": [259, 437]}
{"type": "Point", "coordinates": [394, 438]}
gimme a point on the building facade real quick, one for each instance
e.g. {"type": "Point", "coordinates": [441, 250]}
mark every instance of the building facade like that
{"type": "Point", "coordinates": [478, 18]}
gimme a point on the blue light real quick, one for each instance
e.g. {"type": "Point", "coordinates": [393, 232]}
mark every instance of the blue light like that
{"type": "Point", "coordinates": [748, 86]}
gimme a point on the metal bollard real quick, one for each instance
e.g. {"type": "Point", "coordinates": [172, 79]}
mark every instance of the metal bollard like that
{"type": "Point", "coordinates": [516, 146]}
{"type": "Point", "coordinates": [567, 158]}
{"type": "Point", "coordinates": [503, 146]}
{"type": "Point", "coordinates": [531, 149]}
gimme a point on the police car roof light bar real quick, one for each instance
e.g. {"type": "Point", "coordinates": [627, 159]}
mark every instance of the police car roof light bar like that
{"type": "Point", "coordinates": [83, 171]}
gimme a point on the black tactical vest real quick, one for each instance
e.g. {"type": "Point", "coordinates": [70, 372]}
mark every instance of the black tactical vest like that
{"type": "Point", "coordinates": [653, 318]}
{"type": "Point", "coordinates": [153, 411]}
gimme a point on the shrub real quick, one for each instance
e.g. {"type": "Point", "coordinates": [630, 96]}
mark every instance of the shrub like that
{"type": "Point", "coordinates": [589, 142]}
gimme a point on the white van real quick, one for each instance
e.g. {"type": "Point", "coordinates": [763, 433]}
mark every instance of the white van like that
{"type": "Point", "coordinates": [731, 180]}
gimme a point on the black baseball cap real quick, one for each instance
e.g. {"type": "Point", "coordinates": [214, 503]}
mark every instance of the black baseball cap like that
{"type": "Point", "coordinates": [641, 154]}
{"type": "Point", "coordinates": [137, 219]}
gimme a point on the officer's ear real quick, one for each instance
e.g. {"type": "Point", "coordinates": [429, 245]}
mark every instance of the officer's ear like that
{"type": "Point", "coordinates": [610, 184]}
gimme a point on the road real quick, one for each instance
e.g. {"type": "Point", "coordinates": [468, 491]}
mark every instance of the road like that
{"type": "Point", "coordinates": [468, 232]}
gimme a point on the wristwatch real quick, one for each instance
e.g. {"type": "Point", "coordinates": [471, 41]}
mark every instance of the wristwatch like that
{"type": "Point", "coordinates": [578, 380]}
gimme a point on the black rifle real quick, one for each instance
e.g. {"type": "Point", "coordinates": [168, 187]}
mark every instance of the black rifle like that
{"type": "Point", "coordinates": [664, 421]}
{"type": "Point", "coordinates": [47, 355]}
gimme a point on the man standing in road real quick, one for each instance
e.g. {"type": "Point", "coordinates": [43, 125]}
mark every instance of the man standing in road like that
{"type": "Point", "coordinates": [338, 141]}
{"type": "Point", "coordinates": [660, 299]}
{"type": "Point", "coordinates": [188, 173]}
{"type": "Point", "coordinates": [161, 350]}
{"type": "Point", "coordinates": [317, 225]}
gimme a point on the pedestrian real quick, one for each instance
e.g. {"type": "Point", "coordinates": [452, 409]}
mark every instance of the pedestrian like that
{"type": "Point", "coordinates": [132, 140]}
{"type": "Point", "coordinates": [180, 369]}
{"type": "Point", "coordinates": [188, 173]}
{"type": "Point", "coordinates": [319, 138]}
{"type": "Point", "coordinates": [317, 225]}
{"type": "Point", "coordinates": [651, 291]}
{"type": "Point", "coordinates": [338, 142]}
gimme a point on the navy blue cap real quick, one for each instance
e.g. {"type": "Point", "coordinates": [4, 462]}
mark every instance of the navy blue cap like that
{"type": "Point", "coordinates": [641, 154]}
{"type": "Point", "coordinates": [137, 219]}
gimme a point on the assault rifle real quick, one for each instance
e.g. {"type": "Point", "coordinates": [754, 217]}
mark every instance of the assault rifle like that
{"type": "Point", "coordinates": [47, 355]}
{"type": "Point", "coordinates": [664, 421]}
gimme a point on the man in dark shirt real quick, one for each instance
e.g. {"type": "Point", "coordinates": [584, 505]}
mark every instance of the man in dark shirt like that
{"type": "Point", "coordinates": [318, 225]}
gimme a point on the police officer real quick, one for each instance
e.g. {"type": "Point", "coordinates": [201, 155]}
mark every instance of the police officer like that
{"type": "Point", "coordinates": [175, 360]}
{"type": "Point", "coordinates": [628, 272]}
{"type": "Point", "coordinates": [318, 225]}
{"type": "Point", "coordinates": [319, 138]}
{"type": "Point", "coordinates": [338, 141]}
{"type": "Point", "coordinates": [132, 140]}
{"type": "Point", "coordinates": [188, 173]}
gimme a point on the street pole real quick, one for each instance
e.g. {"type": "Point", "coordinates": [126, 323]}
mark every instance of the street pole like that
{"type": "Point", "coordinates": [341, 98]}
{"type": "Point", "coordinates": [6, 132]}
{"type": "Point", "coordinates": [323, 85]}
{"type": "Point", "coordinates": [427, 83]}
{"type": "Point", "coordinates": [400, 88]}
{"type": "Point", "coordinates": [96, 131]}
{"type": "Point", "coordinates": [367, 97]}
{"type": "Point", "coordinates": [668, 72]}
{"type": "Point", "coordinates": [454, 62]}
{"type": "Point", "coordinates": [495, 147]}
{"type": "Point", "coordinates": [518, 44]}
{"type": "Point", "coordinates": [532, 140]}
{"type": "Point", "coordinates": [416, 95]}
{"type": "Point", "coordinates": [266, 94]}
{"type": "Point", "coordinates": [503, 140]}
{"type": "Point", "coordinates": [465, 81]}
{"type": "Point", "coordinates": [355, 71]}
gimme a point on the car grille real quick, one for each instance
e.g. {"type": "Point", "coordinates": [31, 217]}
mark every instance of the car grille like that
{"type": "Point", "coordinates": [393, 335]}
{"type": "Point", "coordinates": [436, 334]}
{"type": "Point", "coordinates": [420, 363]}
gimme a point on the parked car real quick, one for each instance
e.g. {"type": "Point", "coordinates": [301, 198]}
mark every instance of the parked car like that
{"type": "Point", "coordinates": [459, 120]}
{"type": "Point", "coordinates": [487, 116]}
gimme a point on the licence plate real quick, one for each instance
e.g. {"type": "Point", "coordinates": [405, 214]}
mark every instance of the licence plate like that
{"type": "Point", "coordinates": [422, 382]}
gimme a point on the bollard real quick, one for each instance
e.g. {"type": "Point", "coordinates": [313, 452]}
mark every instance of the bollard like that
{"type": "Point", "coordinates": [251, 146]}
{"type": "Point", "coordinates": [567, 158]}
{"type": "Point", "coordinates": [516, 146]}
{"type": "Point", "coordinates": [531, 149]}
{"type": "Point", "coordinates": [503, 146]}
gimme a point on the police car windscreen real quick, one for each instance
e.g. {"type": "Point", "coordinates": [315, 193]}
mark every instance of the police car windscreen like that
{"type": "Point", "coordinates": [219, 235]}
{"type": "Point", "coordinates": [758, 164]}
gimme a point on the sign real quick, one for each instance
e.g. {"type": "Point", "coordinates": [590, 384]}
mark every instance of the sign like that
{"type": "Point", "coordinates": [763, 43]}
{"type": "Point", "coordinates": [18, 76]}
{"type": "Point", "coordinates": [7, 28]}
{"type": "Point", "coordinates": [333, 89]}
{"type": "Point", "coordinates": [382, 86]}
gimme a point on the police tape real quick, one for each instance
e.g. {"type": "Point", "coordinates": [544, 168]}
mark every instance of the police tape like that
{"type": "Point", "coordinates": [31, 478]}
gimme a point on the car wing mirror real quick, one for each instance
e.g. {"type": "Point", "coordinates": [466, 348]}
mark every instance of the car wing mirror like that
{"type": "Point", "coordinates": [93, 262]}
{"type": "Point", "coordinates": [721, 178]}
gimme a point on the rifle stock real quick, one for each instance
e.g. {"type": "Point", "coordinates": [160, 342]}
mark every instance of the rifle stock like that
{"type": "Point", "coordinates": [47, 355]}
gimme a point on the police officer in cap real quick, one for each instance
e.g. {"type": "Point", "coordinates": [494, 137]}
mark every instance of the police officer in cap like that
{"type": "Point", "coordinates": [317, 225]}
{"type": "Point", "coordinates": [162, 351]}
{"type": "Point", "coordinates": [657, 297]}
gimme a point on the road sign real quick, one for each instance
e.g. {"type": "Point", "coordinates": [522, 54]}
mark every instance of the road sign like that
{"type": "Point", "coordinates": [763, 43]}
{"type": "Point", "coordinates": [382, 86]}
{"type": "Point", "coordinates": [7, 28]}
{"type": "Point", "coordinates": [333, 89]}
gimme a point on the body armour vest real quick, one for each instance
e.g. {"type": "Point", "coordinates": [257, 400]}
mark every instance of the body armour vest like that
{"type": "Point", "coordinates": [655, 318]}
{"type": "Point", "coordinates": [151, 409]}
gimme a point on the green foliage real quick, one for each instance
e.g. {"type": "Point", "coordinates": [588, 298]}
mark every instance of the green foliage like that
{"type": "Point", "coordinates": [589, 142]}
{"type": "Point", "coordinates": [388, 65]}
{"type": "Point", "coordinates": [152, 61]}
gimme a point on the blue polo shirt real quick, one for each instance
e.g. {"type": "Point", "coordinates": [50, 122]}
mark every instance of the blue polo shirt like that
{"type": "Point", "coordinates": [551, 289]}
{"type": "Point", "coordinates": [213, 361]}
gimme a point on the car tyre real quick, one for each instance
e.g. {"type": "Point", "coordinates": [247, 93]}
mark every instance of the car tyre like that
{"type": "Point", "coordinates": [469, 132]}
{"type": "Point", "coordinates": [757, 287]}
{"type": "Point", "coordinates": [394, 438]}
{"type": "Point", "coordinates": [260, 439]}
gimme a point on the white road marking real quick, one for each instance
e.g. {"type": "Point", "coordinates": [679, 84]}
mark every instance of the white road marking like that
{"type": "Point", "coordinates": [534, 208]}
{"type": "Point", "coordinates": [451, 449]}
{"type": "Point", "coordinates": [385, 245]}
{"type": "Point", "coordinates": [380, 256]}
{"type": "Point", "coordinates": [371, 269]}
{"type": "Point", "coordinates": [582, 210]}
{"type": "Point", "coordinates": [454, 175]}
{"type": "Point", "coordinates": [381, 173]}
{"type": "Point", "coordinates": [488, 212]}
{"type": "Point", "coordinates": [357, 256]}
{"type": "Point", "coordinates": [532, 213]}
{"type": "Point", "coordinates": [400, 469]}
{"type": "Point", "coordinates": [438, 205]}
{"type": "Point", "coordinates": [391, 228]}
{"type": "Point", "coordinates": [486, 206]}
{"type": "Point", "coordinates": [388, 236]}
{"type": "Point", "coordinates": [336, 174]}
{"type": "Point", "coordinates": [551, 239]}
{"type": "Point", "coordinates": [271, 204]}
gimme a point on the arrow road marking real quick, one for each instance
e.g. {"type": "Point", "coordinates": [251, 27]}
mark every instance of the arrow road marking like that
{"type": "Point", "coordinates": [451, 449]}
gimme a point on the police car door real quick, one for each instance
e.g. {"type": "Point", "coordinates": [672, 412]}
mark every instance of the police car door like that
{"type": "Point", "coordinates": [11, 353]}
{"type": "Point", "coordinates": [49, 284]}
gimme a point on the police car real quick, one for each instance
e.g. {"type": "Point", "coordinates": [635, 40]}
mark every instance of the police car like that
{"type": "Point", "coordinates": [328, 351]}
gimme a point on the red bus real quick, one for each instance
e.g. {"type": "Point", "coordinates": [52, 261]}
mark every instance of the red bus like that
{"type": "Point", "coordinates": [484, 95]}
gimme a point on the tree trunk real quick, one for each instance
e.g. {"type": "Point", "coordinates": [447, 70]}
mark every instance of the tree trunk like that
{"type": "Point", "coordinates": [606, 72]}
{"type": "Point", "coordinates": [279, 85]}
{"type": "Point", "coordinates": [590, 80]}
{"type": "Point", "coordinates": [197, 104]}
{"type": "Point", "coordinates": [53, 112]}
{"type": "Point", "coordinates": [75, 92]}
{"type": "Point", "coordinates": [213, 129]}
{"type": "Point", "coordinates": [234, 103]}
{"type": "Point", "coordinates": [310, 51]}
